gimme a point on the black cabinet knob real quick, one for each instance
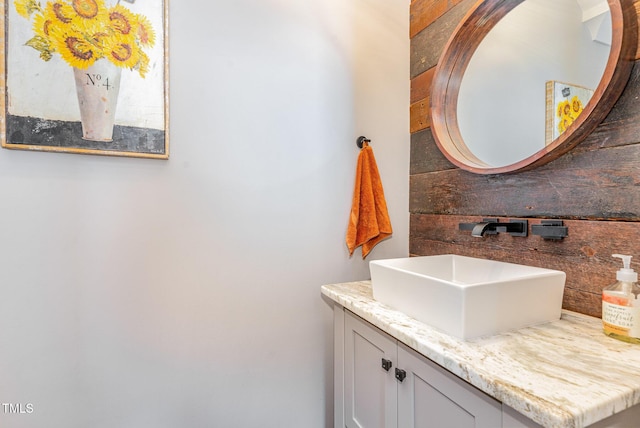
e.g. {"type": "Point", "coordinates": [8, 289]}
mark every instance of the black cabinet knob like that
{"type": "Point", "coordinates": [386, 364]}
{"type": "Point", "coordinates": [400, 374]}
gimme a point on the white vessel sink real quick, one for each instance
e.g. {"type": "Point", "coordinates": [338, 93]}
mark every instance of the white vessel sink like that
{"type": "Point", "coordinates": [468, 297]}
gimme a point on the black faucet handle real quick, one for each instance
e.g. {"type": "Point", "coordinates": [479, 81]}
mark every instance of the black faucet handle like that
{"type": "Point", "coordinates": [550, 229]}
{"type": "Point", "coordinates": [518, 227]}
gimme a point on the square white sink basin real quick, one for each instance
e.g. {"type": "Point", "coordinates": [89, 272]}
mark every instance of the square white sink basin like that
{"type": "Point", "coordinates": [468, 297]}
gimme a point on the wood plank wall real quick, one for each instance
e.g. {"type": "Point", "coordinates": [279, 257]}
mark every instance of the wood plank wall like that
{"type": "Point", "coordinates": [594, 189]}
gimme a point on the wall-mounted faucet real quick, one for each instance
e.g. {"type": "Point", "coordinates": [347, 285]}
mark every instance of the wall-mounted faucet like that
{"type": "Point", "coordinates": [491, 226]}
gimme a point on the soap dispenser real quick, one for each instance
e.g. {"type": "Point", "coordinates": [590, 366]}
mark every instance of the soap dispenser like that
{"type": "Point", "coordinates": [621, 306]}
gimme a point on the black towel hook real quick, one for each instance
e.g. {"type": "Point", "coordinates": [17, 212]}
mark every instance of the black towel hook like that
{"type": "Point", "coordinates": [361, 140]}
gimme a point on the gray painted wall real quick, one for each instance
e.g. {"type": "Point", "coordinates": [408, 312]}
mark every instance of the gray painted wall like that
{"type": "Point", "coordinates": [186, 293]}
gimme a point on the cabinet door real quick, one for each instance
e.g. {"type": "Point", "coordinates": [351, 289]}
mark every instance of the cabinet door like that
{"type": "Point", "coordinates": [370, 391]}
{"type": "Point", "coordinates": [430, 396]}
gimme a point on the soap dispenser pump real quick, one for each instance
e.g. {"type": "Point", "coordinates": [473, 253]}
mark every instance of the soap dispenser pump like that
{"type": "Point", "coordinates": [621, 306]}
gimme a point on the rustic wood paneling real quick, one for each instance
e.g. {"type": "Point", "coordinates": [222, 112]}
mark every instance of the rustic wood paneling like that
{"type": "Point", "coordinates": [419, 115]}
{"type": "Point", "coordinates": [600, 184]}
{"type": "Point", "coordinates": [637, 5]}
{"type": "Point", "coordinates": [421, 85]}
{"type": "Point", "coordinates": [424, 12]}
{"type": "Point", "coordinates": [595, 188]}
{"type": "Point", "coordinates": [585, 255]}
{"type": "Point", "coordinates": [425, 155]}
{"type": "Point", "coordinates": [420, 111]}
{"type": "Point", "coordinates": [427, 45]}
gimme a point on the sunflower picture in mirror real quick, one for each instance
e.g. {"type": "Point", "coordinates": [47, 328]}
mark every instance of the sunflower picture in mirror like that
{"type": "Point", "coordinates": [565, 102]}
{"type": "Point", "coordinates": [95, 40]}
{"type": "Point", "coordinates": [568, 112]}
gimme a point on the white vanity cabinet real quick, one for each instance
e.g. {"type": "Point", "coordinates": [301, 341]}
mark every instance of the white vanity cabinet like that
{"type": "Point", "coordinates": [370, 388]}
{"type": "Point", "coordinates": [590, 380]}
{"type": "Point", "coordinates": [381, 383]}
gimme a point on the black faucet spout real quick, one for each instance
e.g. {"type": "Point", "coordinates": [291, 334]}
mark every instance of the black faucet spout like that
{"type": "Point", "coordinates": [513, 227]}
{"type": "Point", "coordinates": [481, 228]}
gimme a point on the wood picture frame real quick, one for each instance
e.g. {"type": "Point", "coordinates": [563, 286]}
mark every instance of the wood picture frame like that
{"type": "Point", "coordinates": [85, 76]}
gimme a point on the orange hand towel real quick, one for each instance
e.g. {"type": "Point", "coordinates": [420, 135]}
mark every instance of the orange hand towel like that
{"type": "Point", "coordinates": [369, 220]}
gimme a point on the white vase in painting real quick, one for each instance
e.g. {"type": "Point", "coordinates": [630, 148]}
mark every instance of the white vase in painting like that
{"type": "Point", "coordinates": [97, 88]}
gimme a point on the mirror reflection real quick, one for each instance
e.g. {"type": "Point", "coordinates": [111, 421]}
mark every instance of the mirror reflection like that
{"type": "Point", "coordinates": [531, 76]}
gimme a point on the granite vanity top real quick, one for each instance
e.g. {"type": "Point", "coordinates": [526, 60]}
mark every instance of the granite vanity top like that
{"type": "Point", "coordinates": [566, 373]}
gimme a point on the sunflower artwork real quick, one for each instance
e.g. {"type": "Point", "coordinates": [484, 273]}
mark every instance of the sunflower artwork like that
{"type": "Point", "coordinates": [565, 103]}
{"type": "Point", "coordinates": [86, 76]}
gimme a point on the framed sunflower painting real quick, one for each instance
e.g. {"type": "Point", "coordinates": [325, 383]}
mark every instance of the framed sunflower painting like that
{"type": "Point", "coordinates": [86, 76]}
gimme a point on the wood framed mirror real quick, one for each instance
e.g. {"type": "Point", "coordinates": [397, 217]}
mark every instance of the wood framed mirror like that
{"type": "Point", "coordinates": [484, 18]}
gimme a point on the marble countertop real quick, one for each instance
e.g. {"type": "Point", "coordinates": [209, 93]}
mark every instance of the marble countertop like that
{"type": "Point", "coordinates": [566, 373]}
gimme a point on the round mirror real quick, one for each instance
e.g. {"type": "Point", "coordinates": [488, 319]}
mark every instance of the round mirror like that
{"type": "Point", "coordinates": [523, 81]}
